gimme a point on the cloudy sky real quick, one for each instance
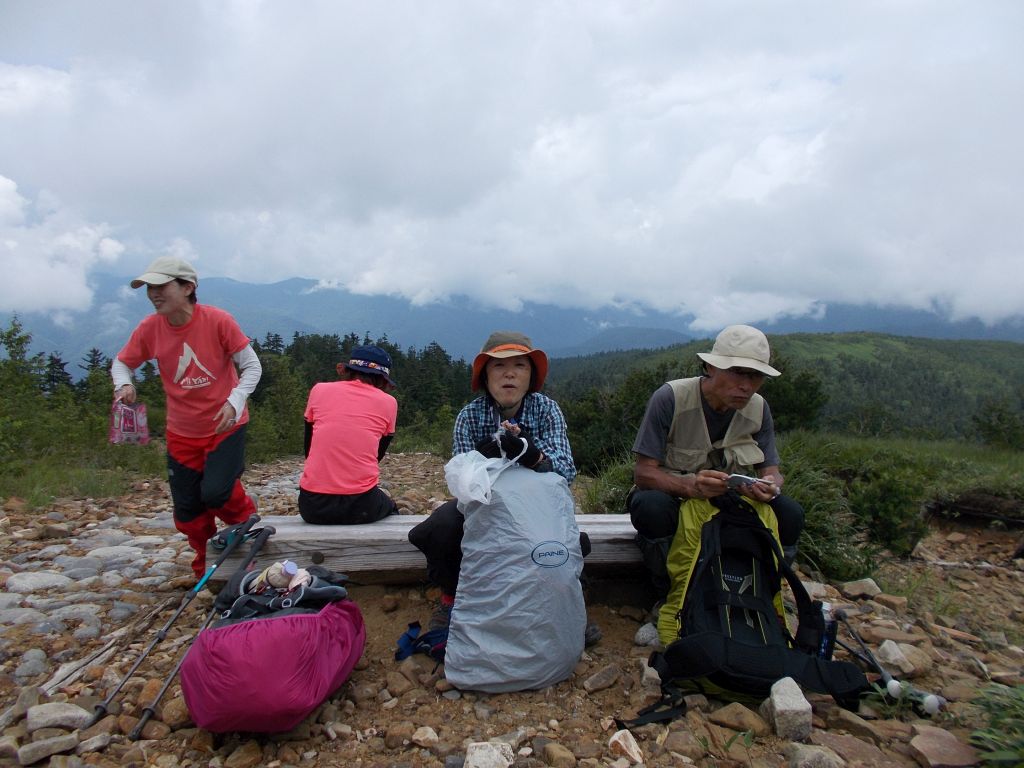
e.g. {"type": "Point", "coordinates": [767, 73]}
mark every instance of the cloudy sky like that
{"type": "Point", "coordinates": [736, 161]}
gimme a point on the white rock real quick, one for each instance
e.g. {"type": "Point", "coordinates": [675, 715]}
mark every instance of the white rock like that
{"type": "Point", "coordinates": [807, 756]}
{"type": "Point", "coordinates": [890, 655]}
{"type": "Point", "coordinates": [483, 754]}
{"type": "Point", "coordinates": [623, 743]}
{"type": "Point", "coordinates": [646, 635]}
{"type": "Point", "coordinates": [425, 736]}
{"type": "Point", "coordinates": [56, 715]}
{"type": "Point", "coordinates": [36, 582]}
{"type": "Point", "coordinates": [860, 588]}
{"type": "Point", "coordinates": [788, 710]}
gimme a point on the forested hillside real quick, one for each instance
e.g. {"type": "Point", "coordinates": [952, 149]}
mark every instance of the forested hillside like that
{"type": "Point", "coordinates": [871, 384]}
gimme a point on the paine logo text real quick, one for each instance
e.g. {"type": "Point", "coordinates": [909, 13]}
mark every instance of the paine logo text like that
{"type": "Point", "coordinates": [550, 554]}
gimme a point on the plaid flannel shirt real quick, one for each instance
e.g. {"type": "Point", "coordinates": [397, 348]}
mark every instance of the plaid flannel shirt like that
{"type": "Point", "coordinates": [539, 416]}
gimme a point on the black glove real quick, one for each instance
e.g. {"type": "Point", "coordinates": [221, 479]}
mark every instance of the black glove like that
{"type": "Point", "coordinates": [489, 447]}
{"type": "Point", "coordinates": [513, 446]}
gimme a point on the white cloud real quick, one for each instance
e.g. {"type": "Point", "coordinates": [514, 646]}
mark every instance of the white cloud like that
{"type": "Point", "coordinates": [47, 260]}
{"type": "Point", "coordinates": [23, 89]}
{"type": "Point", "coordinates": [676, 156]}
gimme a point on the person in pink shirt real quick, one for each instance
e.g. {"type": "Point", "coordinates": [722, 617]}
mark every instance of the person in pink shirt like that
{"type": "Point", "coordinates": [349, 425]}
{"type": "Point", "coordinates": [208, 370]}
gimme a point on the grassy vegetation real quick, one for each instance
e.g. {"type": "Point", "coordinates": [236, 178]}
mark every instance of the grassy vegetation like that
{"type": "Point", "coordinates": [100, 471]}
{"type": "Point", "coordinates": [1002, 742]}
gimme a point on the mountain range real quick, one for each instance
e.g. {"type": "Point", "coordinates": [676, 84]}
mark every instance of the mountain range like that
{"type": "Point", "coordinates": [459, 325]}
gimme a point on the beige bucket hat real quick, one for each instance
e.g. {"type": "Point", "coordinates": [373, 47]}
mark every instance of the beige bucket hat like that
{"type": "Point", "coordinates": [741, 346]}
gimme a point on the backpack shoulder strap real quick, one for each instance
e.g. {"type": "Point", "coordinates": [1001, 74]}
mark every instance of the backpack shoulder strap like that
{"type": "Point", "coordinates": [670, 706]}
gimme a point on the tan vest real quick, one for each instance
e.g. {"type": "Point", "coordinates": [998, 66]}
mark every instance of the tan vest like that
{"type": "Point", "coordinates": [689, 445]}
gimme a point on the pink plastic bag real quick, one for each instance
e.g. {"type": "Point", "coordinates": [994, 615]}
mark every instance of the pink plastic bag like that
{"type": "Point", "coordinates": [128, 425]}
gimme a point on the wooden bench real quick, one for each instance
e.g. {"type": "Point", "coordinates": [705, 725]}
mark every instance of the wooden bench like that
{"type": "Point", "coordinates": [380, 553]}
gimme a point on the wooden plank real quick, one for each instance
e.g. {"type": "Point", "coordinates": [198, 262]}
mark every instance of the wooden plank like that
{"type": "Point", "coordinates": [381, 553]}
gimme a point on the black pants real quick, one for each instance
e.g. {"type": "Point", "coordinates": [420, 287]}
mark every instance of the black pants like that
{"type": "Point", "coordinates": [338, 509]}
{"type": "Point", "coordinates": [439, 538]}
{"type": "Point", "coordinates": [655, 515]}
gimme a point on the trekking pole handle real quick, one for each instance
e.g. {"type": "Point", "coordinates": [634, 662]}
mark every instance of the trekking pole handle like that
{"type": "Point", "coordinates": [257, 545]}
{"type": "Point", "coordinates": [236, 536]}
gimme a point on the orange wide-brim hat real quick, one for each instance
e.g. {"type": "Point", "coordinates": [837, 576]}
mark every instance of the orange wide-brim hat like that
{"type": "Point", "coordinates": [510, 344]}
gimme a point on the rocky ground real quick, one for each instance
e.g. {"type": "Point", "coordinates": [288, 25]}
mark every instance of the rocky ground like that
{"type": "Point", "coordinates": [88, 582]}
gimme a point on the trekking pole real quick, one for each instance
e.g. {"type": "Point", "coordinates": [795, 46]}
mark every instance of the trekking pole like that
{"type": "Point", "coordinates": [929, 702]}
{"type": "Point", "coordinates": [101, 709]}
{"type": "Point", "coordinates": [150, 709]}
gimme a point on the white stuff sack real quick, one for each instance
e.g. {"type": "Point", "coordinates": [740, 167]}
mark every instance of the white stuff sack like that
{"type": "Point", "coordinates": [519, 618]}
{"type": "Point", "coordinates": [470, 475]}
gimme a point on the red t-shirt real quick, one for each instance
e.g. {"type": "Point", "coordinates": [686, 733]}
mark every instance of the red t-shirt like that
{"type": "Point", "coordinates": [349, 418]}
{"type": "Point", "coordinates": [195, 365]}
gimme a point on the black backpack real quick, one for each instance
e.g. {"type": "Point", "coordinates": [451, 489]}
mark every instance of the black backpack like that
{"type": "Point", "coordinates": [732, 642]}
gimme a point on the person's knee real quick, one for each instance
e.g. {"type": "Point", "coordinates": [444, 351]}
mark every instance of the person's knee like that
{"type": "Point", "coordinates": [585, 546]}
{"type": "Point", "coordinates": [216, 495]}
{"type": "Point", "coordinates": [791, 517]}
{"type": "Point", "coordinates": [185, 491]}
{"type": "Point", "coordinates": [654, 514]}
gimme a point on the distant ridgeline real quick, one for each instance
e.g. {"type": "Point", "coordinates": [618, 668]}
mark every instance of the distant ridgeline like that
{"type": "Point", "coordinates": [458, 324]}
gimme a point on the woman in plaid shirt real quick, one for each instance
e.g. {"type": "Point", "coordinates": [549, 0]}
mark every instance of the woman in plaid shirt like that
{"type": "Point", "coordinates": [511, 416]}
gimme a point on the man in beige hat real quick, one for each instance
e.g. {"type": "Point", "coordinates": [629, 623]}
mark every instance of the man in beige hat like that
{"type": "Point", "coordinates": [698, 431]}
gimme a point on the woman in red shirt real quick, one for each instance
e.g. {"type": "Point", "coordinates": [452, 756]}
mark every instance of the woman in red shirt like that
{"type": "Point", "coordinates": [197, 349]}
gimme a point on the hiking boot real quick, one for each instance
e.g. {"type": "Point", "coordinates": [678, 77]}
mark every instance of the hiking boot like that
{"type": "Point", "coordinates": [591, 634]}
{"type": "Point", "coordinates": [442, 615]}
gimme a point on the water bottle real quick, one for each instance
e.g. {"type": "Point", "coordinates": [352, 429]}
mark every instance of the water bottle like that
{"type": "Point", "coordinates": [828, 637]}
{"type": "Point", "coordinates": [281, 574]}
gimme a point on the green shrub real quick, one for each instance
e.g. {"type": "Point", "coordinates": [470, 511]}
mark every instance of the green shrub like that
{"type": "Point", "coordinates": [833, 540]}
{"type": "Point", "coordinates": [889, 501]}
{"type": "Point", "coordinates": [606, 493]}
{"type": "Point", "coordinates": [884, 484]}
{"type": "Point", "coordinates": [427, 434]}
{"type": "Point", "coordinates": [1002, 742]}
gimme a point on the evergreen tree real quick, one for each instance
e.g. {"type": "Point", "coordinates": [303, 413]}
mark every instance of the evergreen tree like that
{"type": "Point", "coordinates": [315, 357]}
{"type": "Point", "coordinates": [272, 344]}
{"type": "Point", "coordinates": [94, 360]}
{"type": "Point", "coordinates": [23, 413]}
{"type": "Point", "coordinates": [56, 374]}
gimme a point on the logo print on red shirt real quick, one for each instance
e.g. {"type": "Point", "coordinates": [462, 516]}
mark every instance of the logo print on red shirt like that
{"type": "Point", "coordinates": [191, 373]}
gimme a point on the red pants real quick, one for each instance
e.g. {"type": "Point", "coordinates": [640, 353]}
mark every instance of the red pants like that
{"type": "Point", "coordinates": [204, 477]}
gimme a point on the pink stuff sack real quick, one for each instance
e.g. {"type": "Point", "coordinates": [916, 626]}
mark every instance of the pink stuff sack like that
{"type": "Point", "coordinates": [128, 425]}
{"type": "Point", "coordinates": [267, 675]}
